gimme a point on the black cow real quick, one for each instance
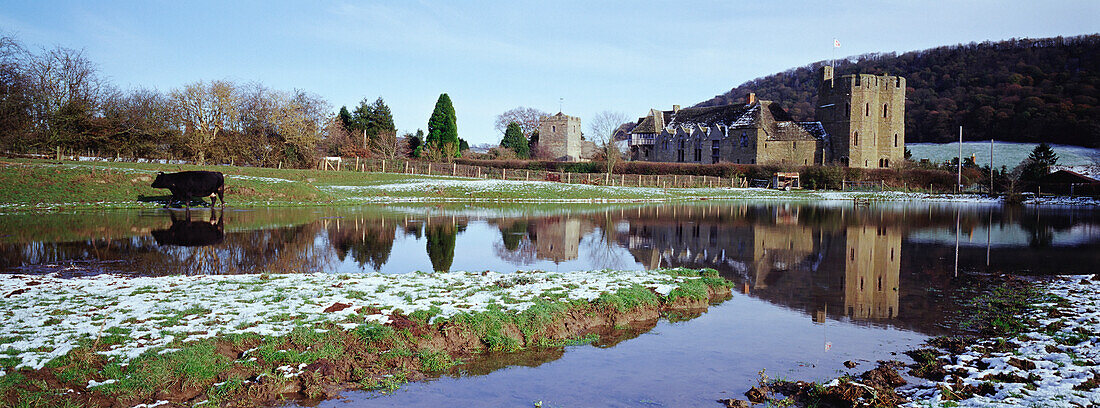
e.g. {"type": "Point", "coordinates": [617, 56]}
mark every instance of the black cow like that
{"type": "Point", "coordinates": [192, 233]}
{"type": "Point", "coordinates": [187, 184]}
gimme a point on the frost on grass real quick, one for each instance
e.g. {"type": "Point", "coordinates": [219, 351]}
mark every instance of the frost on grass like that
{"type": "Point", "coordinates": [43, 317]}
{"type": "Point", "coordinates": [1055, 364]}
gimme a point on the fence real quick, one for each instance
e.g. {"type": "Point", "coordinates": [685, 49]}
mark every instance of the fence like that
{"type": "Point", "coordinates": [862, 185]}
{"type": "Point", "coordinates": [463, 170]}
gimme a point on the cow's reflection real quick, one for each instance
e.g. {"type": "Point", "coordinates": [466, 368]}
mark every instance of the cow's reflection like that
{"type": "Point", "coordinates": [185, 232]}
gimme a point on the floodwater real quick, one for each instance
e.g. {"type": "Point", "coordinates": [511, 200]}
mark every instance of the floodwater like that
{"type": "Point", "coordinates": [816, 284]}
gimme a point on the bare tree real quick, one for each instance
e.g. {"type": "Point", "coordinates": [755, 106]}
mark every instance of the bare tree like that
{"type": "Point", "coordinates": [527, 118]}
{"type": "Point", "coordinates": [387, 145]}
{"type": "Point", "coordinates": [205, 109]}
{"type": "Point", "coordinates": [603, 127]}
{"type": "Point", "coordinates": [61, 77]}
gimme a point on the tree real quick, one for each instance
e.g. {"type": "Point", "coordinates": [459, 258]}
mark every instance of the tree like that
{"type": "Point", "coordinates": [443, 130]}
{"type": "Point", "coordinates": [345, 118]}
{"type": "Point", "coordinates": [370, 119]}
{"type": "Point", "coordinates": [513, 139]}
{"type": "Point", "coordinates": [62, 78]}
{"type": "Point", "coordinates": [603, 128]}
{"type": "Point", "coordinates": [1039, 162]}
{"type": "Point", "coordinates": [16, 108]}
{"type": "Point", "coordinates": [462, 145]}
{"type": "Point", "coordinates": [526, 118]}
{"type": "Point", "coordinates": [415, 143]}
{"type": "Point", "coordinates": [205, 109]}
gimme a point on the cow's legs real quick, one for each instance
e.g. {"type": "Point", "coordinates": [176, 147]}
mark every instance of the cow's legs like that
{"type": "Point", "coordinates": [221, 196]}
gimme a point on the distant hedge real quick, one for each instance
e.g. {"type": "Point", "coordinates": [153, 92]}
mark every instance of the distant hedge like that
{"type": "Point", "coordinates": [814, 177]}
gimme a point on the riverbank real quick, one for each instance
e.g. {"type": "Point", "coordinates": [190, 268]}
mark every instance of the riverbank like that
{"type": "Point", "coordinates": [35, 185]}
{"type": "Point", "coordinates": [1037, 348]}
{"type": "Point", "coordinates": [252, 339]}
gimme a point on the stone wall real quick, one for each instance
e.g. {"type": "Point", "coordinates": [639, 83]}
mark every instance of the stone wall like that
{"type": "Point", "coordinates": [560, 137]}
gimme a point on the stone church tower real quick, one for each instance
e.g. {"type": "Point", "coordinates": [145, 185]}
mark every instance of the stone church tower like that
{"type": "Point", "coordinates": [864, 116]}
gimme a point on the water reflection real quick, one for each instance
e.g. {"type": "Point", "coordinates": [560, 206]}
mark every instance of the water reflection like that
{"type": "Point", "coordinates": [185, 232]}
{"type": "Point", "coordinates": [873, 264]}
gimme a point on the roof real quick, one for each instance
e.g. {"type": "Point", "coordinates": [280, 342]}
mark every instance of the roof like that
{"type": "Point", "coordinates": [776, 122]}
{"type": "Point", "coordinates": [1066, 176]}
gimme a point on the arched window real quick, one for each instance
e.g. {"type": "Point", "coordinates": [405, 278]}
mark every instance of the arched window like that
{"type": "Point", "coordinates": [885, 108]}
{"type": "Point", "coordinates": [553, 128]}
{"type": "Point", "coordinates": [885, 162]}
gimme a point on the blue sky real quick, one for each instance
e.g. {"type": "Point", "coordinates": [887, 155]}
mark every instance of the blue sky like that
{"type": "Point", "coordinates": [492, 56]}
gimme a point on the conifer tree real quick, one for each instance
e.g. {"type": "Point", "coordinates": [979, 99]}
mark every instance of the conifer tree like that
{"type": "Point", "coordinates": [1039, 162]}
{"type": "Point", "coordinates": [442, 129]}
{"type": "Point", "coordinates": [514, 140]}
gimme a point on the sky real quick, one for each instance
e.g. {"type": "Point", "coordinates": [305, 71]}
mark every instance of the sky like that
{"type": "Point", "coordinates": [492, 56]}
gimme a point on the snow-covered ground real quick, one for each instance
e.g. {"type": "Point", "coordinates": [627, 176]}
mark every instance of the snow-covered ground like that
{"type": "Point", "coordinates": [1063, 359]}
{"type": "Point", "coordinates": [1008, 154]}
{"type": "Point", "coordinates": [43, 317]}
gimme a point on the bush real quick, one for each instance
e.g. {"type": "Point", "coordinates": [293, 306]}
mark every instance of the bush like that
{"type": "Point", "coordinates": [821, 177]}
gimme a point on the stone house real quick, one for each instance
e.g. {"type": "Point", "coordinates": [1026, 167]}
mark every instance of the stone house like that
{"type": "Point", "coordinates": [762, 132]}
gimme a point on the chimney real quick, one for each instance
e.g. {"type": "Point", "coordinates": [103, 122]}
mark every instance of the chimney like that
{"type": "Point", "coordinates": [750, 98]}
{"type": "Point", "coordinates": [675, 108]}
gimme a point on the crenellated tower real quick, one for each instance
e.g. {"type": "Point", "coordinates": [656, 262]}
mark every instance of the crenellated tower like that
{"type": "Point", "coordinates": [864, 116]}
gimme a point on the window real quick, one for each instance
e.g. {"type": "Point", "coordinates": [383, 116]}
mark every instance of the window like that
{"type": "Point", "coordinates": [895, 140]}
{"type": "Point", "coordinates": [867, 109]}
{"type": "Point", "coordinates": [855, 139]}
{"type": "Point", "coordinates": [744, 139]}
{"type": "Point", "coordinates": [885, 108]}
{"type": "Point", "coordinates": [698, 154]}
{"type": "Point", "coordinates": [714, 151]}
{"type": "Point", "coordinates": [553, 128]}
{"type": "Point", "coordinates": [885, 162]}
{"type": "Point", "coordinates": [794, 145]}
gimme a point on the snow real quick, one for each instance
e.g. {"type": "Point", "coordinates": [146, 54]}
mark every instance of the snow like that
{"type": "Point", "coordinates": [1060, 365]}
{"type": "Point", "coordinates": [53, 314]}
{"type": "Point", "coordinates": [1008, 154]}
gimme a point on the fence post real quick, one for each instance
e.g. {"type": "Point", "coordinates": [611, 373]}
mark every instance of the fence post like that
{"type": "Point", "coordinates": [569, 178]}
{"type": "Point", "coordinates": [527, 175]}
{"type": "Point", "coordinates": [454, 168]}
{"type": "Point", "coordinates": [504, 173]}
{"type": "Point", "coordinates": [478, 171]}
{"type": "Point", "coordinates": [429, 168]}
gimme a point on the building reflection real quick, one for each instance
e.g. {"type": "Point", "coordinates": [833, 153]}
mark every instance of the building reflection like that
{"type": "Point", "coordinates": [804, 259]}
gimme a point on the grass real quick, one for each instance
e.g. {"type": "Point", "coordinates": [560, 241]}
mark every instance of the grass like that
{"type": "Point", "coordinates": [217, 367]}
{"type": "Point", "coordinates": [45, 184]}
{"type": "Point", "coordinates": [998, 312]}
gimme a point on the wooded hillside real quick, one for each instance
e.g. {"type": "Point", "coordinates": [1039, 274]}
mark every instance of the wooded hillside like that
{"type": "Point", "coordinates": [1025, 90]}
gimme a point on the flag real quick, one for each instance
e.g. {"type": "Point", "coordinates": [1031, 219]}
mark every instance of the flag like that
{"type": "Point", "coordinates": [836, 43]}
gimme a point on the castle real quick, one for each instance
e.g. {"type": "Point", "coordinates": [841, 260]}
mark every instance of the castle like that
{"type": "Point", "coordinates": [560, 138]}
{"type": "Point", "coordinates": [860, 123]}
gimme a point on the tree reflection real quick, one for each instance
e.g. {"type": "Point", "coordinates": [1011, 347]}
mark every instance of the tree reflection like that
{"type": "Point", "coordinates": [368, 241]}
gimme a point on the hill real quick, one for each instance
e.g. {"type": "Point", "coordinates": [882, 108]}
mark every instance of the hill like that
{"type": "Point", "coordinates": [1020, 90]}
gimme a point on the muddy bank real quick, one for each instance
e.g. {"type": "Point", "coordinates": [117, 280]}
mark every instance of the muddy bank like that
{"type": "Point", "coordinates": [1035, 346]}
{"type": "Point", "coordinates": [317, 361]}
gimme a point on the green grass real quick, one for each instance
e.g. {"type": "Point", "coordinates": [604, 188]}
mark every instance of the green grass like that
{"type": "Point", "coordinates": [45, 184]}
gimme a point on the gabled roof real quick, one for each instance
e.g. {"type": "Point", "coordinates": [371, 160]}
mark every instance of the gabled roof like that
{"type": "Point", "coordinates": [776, 122]}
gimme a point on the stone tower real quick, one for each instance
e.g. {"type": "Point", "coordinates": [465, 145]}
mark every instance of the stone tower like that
{"type": "Point", "coordinates": [560, 137]}
{"type": "Point", "coordinates": [864, 116]}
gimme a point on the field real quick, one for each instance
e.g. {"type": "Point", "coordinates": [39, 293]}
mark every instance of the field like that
{"type": "Point", "coordinates": [1005, 153]}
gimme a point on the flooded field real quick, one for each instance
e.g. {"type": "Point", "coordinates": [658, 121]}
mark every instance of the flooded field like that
{"type": "Point", "coordinates": [817, 285]}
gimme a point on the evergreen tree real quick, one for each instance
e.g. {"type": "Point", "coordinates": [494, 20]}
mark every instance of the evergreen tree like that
{"type": "Point", "coordinates": [513, 139]}
{"type": "Point", "coordinates": [1039, 162]}
{"type": "Point", "coordinates": [442, 129]}
{"type": "Point", "coordinates": [345, 118]}
{"type": "Point", "coordinates": [441, 245]}
{"type": "Point", "coordinates": [415, 142]}
{"type": "Point", "coordinates": [533, 143]}
{"type": "Point", "coordinates": [462, 145]}
{"type": "Point", "coordinates": [373, 118]}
